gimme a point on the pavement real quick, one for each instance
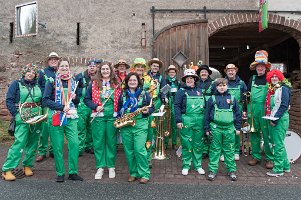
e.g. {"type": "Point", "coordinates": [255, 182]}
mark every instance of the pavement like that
{"type": "Point", "coordinates": [166, 171]}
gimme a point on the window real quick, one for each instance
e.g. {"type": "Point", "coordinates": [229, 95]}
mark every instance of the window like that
{"type": "Point", "coordinates": [26, 19]}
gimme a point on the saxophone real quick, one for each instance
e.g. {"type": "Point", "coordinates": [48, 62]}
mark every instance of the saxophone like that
{"type": "Point", "coordinates": [127, 119]}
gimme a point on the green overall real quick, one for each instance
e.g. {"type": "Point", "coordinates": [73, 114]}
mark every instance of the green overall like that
{"type": "Point", "coordinates": [133, 138]}
{"type": "Point", "coordinates": [278, 134]}
{"type": "Point", "coordinates": [44, 136]}
{"type": "Point", "coordinates": [84, 125]}
{"type": "Point", "coordinates": [236, 92]}
{"type": "Point", "coordinates": [26, 136]}
{"type": "Point", "coordinates": [258, 96]}
{"type": "Point", "coordinates": [192, 132]}
{"type": "Point", "coordinates": [57, 140]}
{"type": "Point", "coordinates": [207, 94]}
{"type": "Point", "coordinates": [104, 136]}
{"type": "Point", "coordinates": [223, 138]}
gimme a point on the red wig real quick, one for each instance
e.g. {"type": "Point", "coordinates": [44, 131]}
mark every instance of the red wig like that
{"type": "Point", "coordinates": [273, 72]}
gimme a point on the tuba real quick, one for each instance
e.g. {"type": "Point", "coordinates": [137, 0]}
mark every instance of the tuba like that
{"type": "Point", "coordinates": [32, 113]}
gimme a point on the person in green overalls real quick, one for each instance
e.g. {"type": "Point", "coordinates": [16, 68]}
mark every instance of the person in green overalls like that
{"type": "Point", "coordinates": [84, 112]}
{"type": "Point", "coordinates": [190, 111]}
{"type": "Point", "coordinates": [258, 87]}
{"type": "Point", "coordinates": [47, 74]}
{"type": "Point", "coordinates": [102, 97]}
{"type": "Point", "coordinates": [25, 90]}
{"type": "Point", "coordinates": [175, 84]}
{"type": "Point", "coordinates": [61, 97]}
{"type": "Point", "coordinates": [134, 137]}
{"type": "Point", "coordinates": [223, 121]}
{"type": "Point", "coordinates": [276, 106]}
{"type": "Point", "coordinates": [236, 87]}
{"type": "Point", "coordinates": [206, 84]}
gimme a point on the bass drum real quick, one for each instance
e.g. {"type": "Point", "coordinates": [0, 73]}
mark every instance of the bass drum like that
{"type": "Point", "coordinates": [292, 144]}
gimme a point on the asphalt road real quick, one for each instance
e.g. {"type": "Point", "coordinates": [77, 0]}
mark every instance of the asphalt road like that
{"type": "Point", "coordinates": [45, 189]}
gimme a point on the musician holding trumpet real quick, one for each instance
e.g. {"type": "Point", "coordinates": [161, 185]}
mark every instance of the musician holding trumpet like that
{"type": "Point", "coordinates": [102, 97]}
{"type": "Point", "coordinates": [27, 94]}
{"type": "Point", "coordinates": [61, 97]}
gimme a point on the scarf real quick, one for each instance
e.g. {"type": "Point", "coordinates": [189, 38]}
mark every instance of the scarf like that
{"type": "Point", "coordinates": [131, 101]}
{"type": "Point", "coordinates": [121, 75]}
{"type": "Point", "coordinates": [97, 95]}
{"type": "Point", "coordinates": [171, 80]}
{"type": "Point", "coordinates": [271, 91]}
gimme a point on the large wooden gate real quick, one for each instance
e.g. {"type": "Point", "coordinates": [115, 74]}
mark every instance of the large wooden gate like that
{"type": "Point", "coordinates": [185, 41]}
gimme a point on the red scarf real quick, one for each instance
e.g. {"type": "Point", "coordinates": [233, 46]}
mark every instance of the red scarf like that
{"type": "Point", "coordinates": [97, 99]}
{"type": "Point", "coordinates": [271, 91]}
{"type": "Point", "coordinates": [121, 75]}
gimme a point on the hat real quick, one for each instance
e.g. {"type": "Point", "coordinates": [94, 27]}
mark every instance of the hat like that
{"type": "Point", "coordinates": [140, 61]}
{"type": "Point", "coordinates": [230, 66]}
{"type": "Point", "coordinates": [155, 60]}
{"type": "Point", "coordinates": [171, 67]}
{"type": "Point", "coordinates": [205, 67]}
{"type": "Point", "coordinates": [30, 67]}
{"type": "Point", "coordinates": [261, 57]}
{"type": "Point", "coordinates": [94, 62]}
{"type": "Point", "coordinates": [273, 72]}
{"type": "Point", "coordinates": [122, 62]}
{"type": "Point", "coordinates": [190, 73]}
{"type": "Point", "coordinates": [53, 55]}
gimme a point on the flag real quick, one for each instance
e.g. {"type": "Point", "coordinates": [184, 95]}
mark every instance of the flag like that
{"type": "Point", "coordinates": [263, 15]}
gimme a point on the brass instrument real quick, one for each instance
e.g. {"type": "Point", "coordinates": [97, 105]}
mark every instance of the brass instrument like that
{"type": "Point", "coordinates": [167, 117]}
{"type": "Point", "coordinates": [248, 95]}
{"type": "Point", "coordinates": [31, 113]}
{"type": "Point", "coordinates": [245, 131]}
{"type": "Point", "coordinates": [127, 119]}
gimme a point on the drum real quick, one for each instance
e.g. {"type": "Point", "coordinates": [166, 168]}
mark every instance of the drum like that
{"type": "Point", "coordinates": [292, 144]}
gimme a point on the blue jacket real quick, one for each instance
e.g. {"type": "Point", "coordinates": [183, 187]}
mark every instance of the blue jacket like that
{"type": "Point", "coordinates": [50, 73]}
{"type": "Point", "coordinates": [13, 95]}
{"type": "Point", "coordinates": [80, 78]}
{"type": "Point", "coordinates": [180, 100]}
{"type": "Point", "coordinates": [285, 102]}
{"type": "Point", "coordinates": [206, 84]}
{"type": "Point", "coordinates": [88, 98]}
{"type": "Point", "coordinates": [237, 82]}
{"type": "Point", "coordinates": [49, 96]}
{"type": "Point", "coordinates": [221, 101]}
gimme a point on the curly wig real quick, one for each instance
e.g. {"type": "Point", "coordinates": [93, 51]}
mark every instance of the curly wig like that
{"type": "Point", "coordinates": [273, 72]}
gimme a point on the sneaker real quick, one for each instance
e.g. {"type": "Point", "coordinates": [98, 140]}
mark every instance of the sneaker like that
{"type": "Point", "coordinates": [60, 179]}
{"type": "Point", "coordinates": [75, 177]}
{"type": "Point", "coordinates": [287, 170]}
{"type": "Point", "coordinates": [233, 176]}
{"type": "Point", "coordinates": [274, 174]}
{"type": "Point", "coordinates": [236, 157]}
{"type": "Point", "coordinates": [222, 158]}
{"type": "Point", "coordinates": [112, 173]}
{"type": "Point", "coordinates": [99, 174]}
{"type": "Point", "coordinates": [185, 172]}
{"type": "Point", "coordinates": [201, 171]}
{"type": "Point", "coordinates": [211, 176]}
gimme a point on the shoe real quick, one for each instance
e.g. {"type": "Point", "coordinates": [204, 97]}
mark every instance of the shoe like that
{"type": "Point", "coordinates": [222, 158]}
{"type": "Point", "coordinates": [112, 173]}
{"type": "Point", "coordinates": [75, 177]}
{"type": "Point", "coordinates": [51, 155]}
{"type": "Point", "coordinates": [253, 162]}
{"type": "Point", "coordinates": [99, 173]}
{"type": "Point", "coordinates": [132, 179]}
{"type": "Point", "coordinates": [27, 171]}
{"type": "Point", "coordinates": [8, 176]}
{"type": "Point", "coordinates": [60, 179]}
{"type": "Point", "coordinates": [40, 158]}
{"type": "Point", "coordinates": [150, 165]}
{"type": "Point", "coordinates": [185, 172]}
{"type": "Point", "coordinates": [269, 164]}
{"type": "Point", "coordinates": [205, 155]}
{"type": "Point", "coordinates": [274, 174]}
{"type": "Point", "coordinates": [201, 171]}
{"type": "Point", "coordinates": [287, 170]}
{"type": "Point", "coordinates": [211, 176]}
{"type": "Point", "coordinates": [143, 181]}
{"type": "Point", "coordinates": [232, 176]}
{"type": "Point", "coordinates": [236, 157]}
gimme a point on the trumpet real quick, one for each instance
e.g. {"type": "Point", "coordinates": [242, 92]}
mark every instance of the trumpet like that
{"type": "Point", "coordinates": [248, 95]}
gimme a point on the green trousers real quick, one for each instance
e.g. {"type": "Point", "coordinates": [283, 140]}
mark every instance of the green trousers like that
{"type": "Point", "coordinates": [26, 141]}
{"type": "Point", "coordinates": [84, 128]}
{"type": "Point", "coordinates": [104, 142]}
{"type": "Point", "coordinates": [223, 138]}
{"type": "Point", "coordinates": [44, 138]}
{"type": "Point", "coordinates": [192, 140]}
{"type": "Point", "coordinates": [133, 139]}
{"type": "Point", "coordinates": [278, 134]}
{"type": "Point", "coordinates": [57, 140]}
{"type": "Point", "coordinates": [260, 125]}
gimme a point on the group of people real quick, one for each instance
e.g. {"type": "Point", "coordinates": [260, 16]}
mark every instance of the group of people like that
{"type": "Point", "coordinates": [206, 113]}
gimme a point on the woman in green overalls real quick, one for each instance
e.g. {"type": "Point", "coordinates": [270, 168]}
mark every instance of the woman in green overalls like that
{"type": "Point", "coordinates": [190, 110]}
{"type": "Point", "coordinates": [134, 137]}
{"type": "Point", "coordinates": [102, 97]}
{"type": "Point", "coordinates": [276, 106]}
{"type": "Point", "coordinates": [25, 90]}
{"type": "Point", "coordinates": [61, 98]}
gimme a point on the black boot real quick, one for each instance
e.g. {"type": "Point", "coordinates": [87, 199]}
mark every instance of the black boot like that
{"type": "Point", "coordinates": [75, 177]}
{"type": "Point", "coordinates": [60, 178]}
